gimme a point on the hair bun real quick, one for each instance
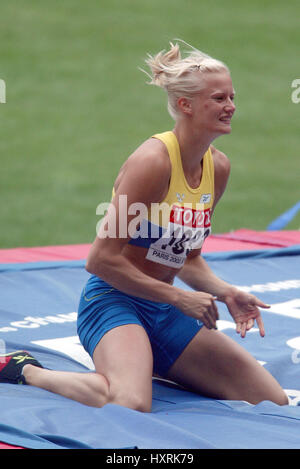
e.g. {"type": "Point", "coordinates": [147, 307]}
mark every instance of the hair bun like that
{"type": "Point", "coordinates": [177, 75]}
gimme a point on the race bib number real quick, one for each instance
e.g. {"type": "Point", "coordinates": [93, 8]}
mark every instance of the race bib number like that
{"type": "Point", "coordinates": [186, 230]}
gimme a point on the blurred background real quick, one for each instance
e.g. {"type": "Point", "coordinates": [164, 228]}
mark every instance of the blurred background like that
{"type": "Point", "coordinates": [77, 105]}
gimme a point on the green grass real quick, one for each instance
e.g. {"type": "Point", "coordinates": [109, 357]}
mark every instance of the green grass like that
{"type": "Point", "coordinates": [77, 106]}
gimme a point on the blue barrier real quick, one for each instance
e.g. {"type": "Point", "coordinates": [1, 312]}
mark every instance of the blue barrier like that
{"type": "Point", "coordinates": [280, 222]}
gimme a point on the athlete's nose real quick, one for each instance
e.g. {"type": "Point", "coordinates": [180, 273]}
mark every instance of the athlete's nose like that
{"type": "Point", "coordinates": [230, 106]}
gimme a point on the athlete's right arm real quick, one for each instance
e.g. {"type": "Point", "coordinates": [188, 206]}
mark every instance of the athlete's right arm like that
{"type": "Point", "coordinates": [144, 179]}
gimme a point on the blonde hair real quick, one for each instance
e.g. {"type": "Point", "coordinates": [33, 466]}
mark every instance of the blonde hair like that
{"type": "Point", "coordinates": [176, 74]}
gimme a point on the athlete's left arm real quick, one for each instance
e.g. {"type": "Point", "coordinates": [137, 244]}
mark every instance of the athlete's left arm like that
{"type": "Point", "coordinates": [196, 273]}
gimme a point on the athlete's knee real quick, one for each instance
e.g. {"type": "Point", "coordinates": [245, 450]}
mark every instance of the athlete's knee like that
{"type": "Point", "coordinates": [281, 398]}
{"type": "Point", "coordinates": [133, 401]}
{"type": "Point", "coordinates": [96, 389]}
{"type": "Point", "coordinates": [139, 403]}
{"type": "Point", "coordinates": [264, 386]}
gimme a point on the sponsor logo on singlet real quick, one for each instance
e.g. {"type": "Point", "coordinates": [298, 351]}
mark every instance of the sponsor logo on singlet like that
{"type": "Point", "coordinates": [186, 230]}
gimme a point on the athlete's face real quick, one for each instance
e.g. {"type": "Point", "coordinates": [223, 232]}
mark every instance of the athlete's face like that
{"type": "Point", "coordinates": [213, 108]}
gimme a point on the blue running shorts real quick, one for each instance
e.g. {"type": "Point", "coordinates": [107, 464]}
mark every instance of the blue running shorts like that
{"type": "Point", "coordinates": [102, 308]}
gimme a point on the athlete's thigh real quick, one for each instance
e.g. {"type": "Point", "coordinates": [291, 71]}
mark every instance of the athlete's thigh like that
{"type": "Point", "coordinates": [215, 365]}
{"type": "Point", "coordinates": [124, 357]}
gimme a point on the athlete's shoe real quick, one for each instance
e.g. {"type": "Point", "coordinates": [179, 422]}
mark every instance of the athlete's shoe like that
{"type": "Point", "coordinates": [11, 366]}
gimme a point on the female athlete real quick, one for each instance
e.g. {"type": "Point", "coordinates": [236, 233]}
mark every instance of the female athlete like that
{"type": "Point", "coordinates": [133, 319]}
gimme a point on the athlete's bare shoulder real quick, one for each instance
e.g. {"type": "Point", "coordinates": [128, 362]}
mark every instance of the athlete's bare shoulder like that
{"type": "Point", "coordinates": [151, 152]}
{"type": "Point", "coordinates": [221, 161]}
{"type": "Point", "coordinates": [147, 167]}
{"type": "Point", "coordinates": [222, 172]}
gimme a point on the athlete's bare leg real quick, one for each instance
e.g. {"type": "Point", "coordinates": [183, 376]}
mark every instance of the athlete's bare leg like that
{"type": "Point", "coordinates": [124, 356]}
{"type": "Point", "coordinates": [123, 363]}
{"type": "Point", "coordinates": [90, 389]}
{"type": "Point", "coordinates": [215, 365]}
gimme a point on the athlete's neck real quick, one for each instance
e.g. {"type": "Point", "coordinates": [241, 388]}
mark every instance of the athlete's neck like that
{"type": "Point", "coordinates": [192, 148]}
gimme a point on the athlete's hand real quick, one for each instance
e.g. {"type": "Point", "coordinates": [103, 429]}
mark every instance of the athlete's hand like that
{"type": "Point", "coordinates": [201, 306]}
{"type": "Point", "coordinates": [244, 308]}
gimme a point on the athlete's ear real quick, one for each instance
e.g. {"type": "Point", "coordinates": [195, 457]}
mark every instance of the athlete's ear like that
{"type": "Point", "coordinates": [185, 105]}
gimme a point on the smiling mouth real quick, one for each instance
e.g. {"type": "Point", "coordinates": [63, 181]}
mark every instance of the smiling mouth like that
{"type": "Point", "coordinates": [226, 120]}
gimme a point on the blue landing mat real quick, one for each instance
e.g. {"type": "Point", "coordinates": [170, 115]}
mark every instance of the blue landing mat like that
{"type": "Point", "coordinates": [38, 306]}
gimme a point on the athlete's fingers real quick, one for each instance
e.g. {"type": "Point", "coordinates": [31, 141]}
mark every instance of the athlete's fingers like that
{"type": "Point", "coordinates": [215, 308]}
{"type": "Point", "coordinates": [241, 328]}
{"type": "Point", "coordinates": [261, 304]}
{"type": "Point", "coordinates": [209, 320]}
{"type": "Point", "coordinates": [261, 326]}
{"type": "Point", "coordinates": [214, 313]}
{"type": "Point", "coordinates": [250, 324]}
